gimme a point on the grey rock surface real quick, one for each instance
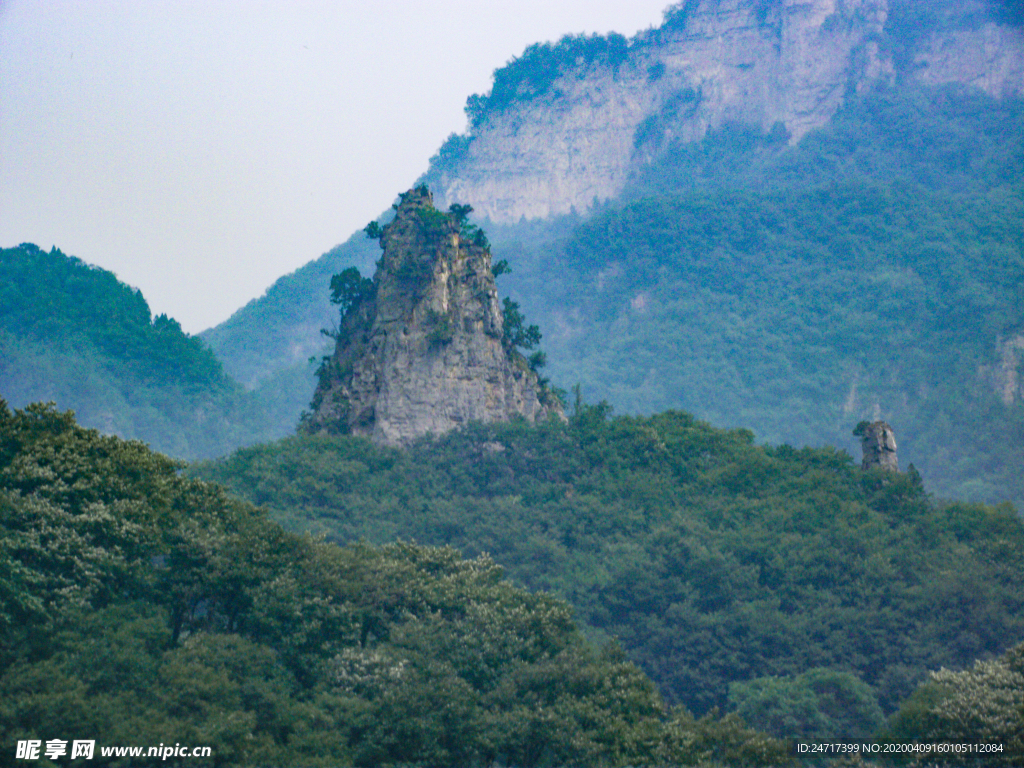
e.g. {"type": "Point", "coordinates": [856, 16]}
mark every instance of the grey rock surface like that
{"type": "Point", "coordinates": [424, 351]}
{"type": "Point", "coordinates": [878, 443]}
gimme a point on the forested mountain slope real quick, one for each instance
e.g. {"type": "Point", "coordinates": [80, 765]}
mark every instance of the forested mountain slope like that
{"type": "Point", "coordinates": [869, 270]}
{"type": "Point", "coordinates": [714, 561]}
{"type": "Point", "coordinates": [872, 270]}
{"type": "Point", "coordinates": [141, 608]}
{"type": "Point", "coordinates": [74, 334]}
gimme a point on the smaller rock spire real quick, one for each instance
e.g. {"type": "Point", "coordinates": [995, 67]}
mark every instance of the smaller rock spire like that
{"type": "Point", "coordinates": [878, 445]}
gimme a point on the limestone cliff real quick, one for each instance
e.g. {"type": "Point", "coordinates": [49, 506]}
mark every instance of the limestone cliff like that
{"type": "Point", "coordinates": [424, 349]}
{"type": "Point", "coordinates": [769, 63]}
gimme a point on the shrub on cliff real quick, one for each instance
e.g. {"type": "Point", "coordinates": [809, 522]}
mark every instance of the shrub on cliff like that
{"type": "Point", "coordinates": [349, 289]}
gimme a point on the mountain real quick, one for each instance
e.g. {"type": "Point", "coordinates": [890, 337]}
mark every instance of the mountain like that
{"type": "Point", "coordinates": [783, 217]}
{"type": "Point", "coordinates": [568, 124]}
{"type": "Point", "coordinates": [73, 334]}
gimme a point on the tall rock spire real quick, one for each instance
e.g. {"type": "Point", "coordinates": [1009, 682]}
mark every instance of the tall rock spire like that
{"type": "Point", "coordinates": [878, 445]}
{"type": "Point", "coordinates": [422, 348]}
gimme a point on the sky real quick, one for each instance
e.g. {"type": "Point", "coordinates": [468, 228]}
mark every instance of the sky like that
{"type": "Point", "coordinates": [200, 150]}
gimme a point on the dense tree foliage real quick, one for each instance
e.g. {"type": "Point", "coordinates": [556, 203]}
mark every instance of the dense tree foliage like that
{"type": "Point", "coordinates": [533, 73]}
{"type": "Point", "coordinates": [820, 704]}
{"type": "Point", "coordinates": [139, 607]}
{"type": "Point", "coordinates": [711, 559]}
{"type": "Point", "coordinates": [950, 138]}
{"type": "Point", "coordinates": [516, 333]}
{"type": "Point", "coordinates": [349, 289]}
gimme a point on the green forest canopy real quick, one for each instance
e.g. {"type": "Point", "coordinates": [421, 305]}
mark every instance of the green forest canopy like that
{"type": "Point", "coordinates": [711, 559]}
{"type": "Point", "coordinates": [140, 607]}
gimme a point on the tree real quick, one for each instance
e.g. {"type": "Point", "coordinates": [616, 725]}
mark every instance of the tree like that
{"type": "Point", "coordinates": [374, 230]}
{"type": "Point", "coordinates": [349, 288]}
{"type": "Point", "coordinates": [460, 212]}
{"type": "Point", "coordinates": [980, 705]}
{"type": "Point", "coordinates": [468, 231]}
{"type": "Point", "coordinates": [517, 333]}
{"type": "Point", "coordinates": [480, 239]}
{"type": "Point", "coordinates": [136, 603]}
{"type": "Point", "coordinates": [819, 703]}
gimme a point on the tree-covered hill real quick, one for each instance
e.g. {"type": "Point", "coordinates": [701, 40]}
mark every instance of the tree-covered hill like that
{"type": "Point", "coordinates": [57, 299]}
{"type": "Point", "coordinates": [72, 333]}
{"type": "Point", "coordinates": [720, 565]}
{"type": "Point", "coordinates": [141, 608]}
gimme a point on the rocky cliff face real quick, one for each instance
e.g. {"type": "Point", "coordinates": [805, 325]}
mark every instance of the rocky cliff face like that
{"type": "Point", "coordinates": [424, 349]}
{"type": "Point", "coordinates": [989, 57]}
{"type": "Point", "coordinates": [768, 63]}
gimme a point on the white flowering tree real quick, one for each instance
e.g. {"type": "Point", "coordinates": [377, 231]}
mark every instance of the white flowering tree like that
{"type": "Point", "coordinates": [983, 705]}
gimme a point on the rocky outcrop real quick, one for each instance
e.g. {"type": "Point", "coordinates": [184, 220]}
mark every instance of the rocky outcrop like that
{"type": "Point", "coordinates": [424, 349]}
{"type": "Point", "coordinates": [878, 445]}
{"type": "Point", "coordinates": [782, 64]}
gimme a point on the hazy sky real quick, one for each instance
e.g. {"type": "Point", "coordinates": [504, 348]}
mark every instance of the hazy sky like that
{"type": "Point", "coordinates": [200, 150]}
